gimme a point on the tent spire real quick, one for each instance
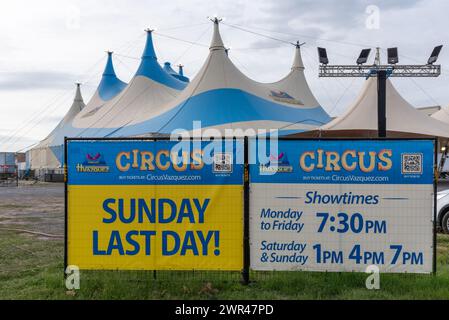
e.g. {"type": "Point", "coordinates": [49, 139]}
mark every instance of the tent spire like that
{"type": "Point", "coordinates": [217, 42]}
{"type": "Point", "coordinates": [109, 69]}
{"type": "Point", "coordinates": [181, 69]}
{"type": "Point", "coordinates": [110, 85]}
{"type": "Point", "coordinates": [78, 96]}
{"type": "Point", "coordinates": [168, 68]}
{"type": "Point", "coordinates": [150, 68]}
{"type": "Point", "coordinates": [297, 61]}
{"type": "Point", "coordinates": [149, 52]}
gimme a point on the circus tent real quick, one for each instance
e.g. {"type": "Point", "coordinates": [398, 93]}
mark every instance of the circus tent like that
{"type": "Point", "coordinates": [403, 120]}
{"type": "Point", "coordinates": [220, 96]}
{"type": "Point", "coordinates": [178, 75]}
{"type": "Point", "coordinates": [158, 101]}
{"type": "Point", "coordinates": [49, 152]}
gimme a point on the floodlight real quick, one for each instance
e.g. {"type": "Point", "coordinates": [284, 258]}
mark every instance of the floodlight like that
{"type": "Point", "coordinates": [363, 58]}
{"type": "Point", "coordinates": [322, 54]}
{"type": "Point", "coordinates": [393, 57]}
{"type": "Point", "coordinates": [434, 56]}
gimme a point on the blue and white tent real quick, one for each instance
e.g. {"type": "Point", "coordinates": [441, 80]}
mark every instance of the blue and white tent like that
{"type": "Point", "coordinates": [178, 75]}
{"type": "Point", "coordinates": [110, 86]}
{"type": "Point", "coordinates": [220, 97]}
{"type": "Point", "coordinates": [150, 87]}
{"type": "Point", "coordinates": [113, 98]}
{"type": "Point", "coordinates": [48, 153]}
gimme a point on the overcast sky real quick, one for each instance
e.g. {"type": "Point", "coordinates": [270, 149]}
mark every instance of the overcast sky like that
{"type": "Point", "coordinates": [47, 45]}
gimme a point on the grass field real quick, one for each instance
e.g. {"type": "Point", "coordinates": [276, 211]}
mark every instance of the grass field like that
{"type": "Point", "coordinates": [31, 267]}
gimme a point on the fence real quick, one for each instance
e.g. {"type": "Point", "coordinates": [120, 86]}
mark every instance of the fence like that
{"type": "Point", "coordinates": [9, 176]}
{"type": "Point", "coordinates": [229, 206]}
{"type": "Point", "coordinates": [48, 175]}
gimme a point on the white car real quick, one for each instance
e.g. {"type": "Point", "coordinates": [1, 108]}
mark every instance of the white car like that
{"type": "Point", "coordinates": [443, 210]}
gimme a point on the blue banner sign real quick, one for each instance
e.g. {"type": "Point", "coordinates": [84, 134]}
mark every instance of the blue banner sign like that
{"type": "Point", "coordinates": [155, 162]}
{"type": "Point", "coordinates": [345, 162]}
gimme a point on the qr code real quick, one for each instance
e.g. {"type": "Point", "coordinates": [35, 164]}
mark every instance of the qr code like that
{"type": "Point", "coordinates": [223, 162]}
{"type": "Point", "coordinates": [412, 163]}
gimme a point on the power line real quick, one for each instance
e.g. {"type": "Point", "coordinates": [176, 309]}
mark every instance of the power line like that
{"type": "Point", "coordinates": [35, 115]}
{"type": "Point", "coordinates": [28, 147]}
{"type": "Point", "coordinates": [127, 46]}
{"type": "Point", "coordinates": [191, 46]}
{"type": "Point", "coordinates": [178, 39]}
{"type": "Point", "coordinates": [256, 33]}
{"type": "Point", "coordinates": [234, 57]}
{"type": "Point", "coordinates": [425, 92]}
{"type": "Point", "coordinates": [44, 113]}
{"type": "Point", "coordinates": [124, 64]}
{"type": "Point", "coordinates": [125, 56]}
{"type": "Point", "coordinates": [185, 26]}
{"type": "Point", "coordinates": [296, 35]}
{"type": "Point", "coordinates": [345, 88]}
{"type": "Point", "coordinates": [40, 114]}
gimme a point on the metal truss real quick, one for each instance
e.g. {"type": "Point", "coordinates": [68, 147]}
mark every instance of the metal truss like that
{"type": "Point", "coordinates": [366, 71]}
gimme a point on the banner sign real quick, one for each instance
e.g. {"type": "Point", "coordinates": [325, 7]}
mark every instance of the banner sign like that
{"type": "Point", "coordinates": [150, 205]}
{"type": "Point", "coordinates": [328, 205]}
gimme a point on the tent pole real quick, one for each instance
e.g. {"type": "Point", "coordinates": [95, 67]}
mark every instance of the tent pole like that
{"type": "Point", "coordinates": [381, 103]}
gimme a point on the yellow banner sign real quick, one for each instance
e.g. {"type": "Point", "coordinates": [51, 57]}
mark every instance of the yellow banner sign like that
{"type": "Point", "coordinates": [156, 228]}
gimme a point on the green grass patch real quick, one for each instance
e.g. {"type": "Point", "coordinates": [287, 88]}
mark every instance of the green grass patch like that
{"type": "Point", "coordinates": [32, 268]}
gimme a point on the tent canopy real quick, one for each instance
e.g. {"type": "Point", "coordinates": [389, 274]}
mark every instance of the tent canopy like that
{"type": "Point", "coordinates": [49, 152]}
{"type": "Point", "coordinates": [220, 96]}
{"type": "Point", "coordinates": [173, 73]}
{"type": "Point", "coordinates": [403, 120]}
{"type": "Point", "coordinates": [442, 115]}
{"type": "Point", "coordinates": [150, 86]}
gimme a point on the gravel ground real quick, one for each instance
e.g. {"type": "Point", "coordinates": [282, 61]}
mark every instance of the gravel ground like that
{"type": "Point", "coordinates": [36, 207]}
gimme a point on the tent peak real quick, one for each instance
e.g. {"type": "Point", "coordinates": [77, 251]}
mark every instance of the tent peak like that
{"type": "Point", "coordinates": [78, 96]}
{"type": "Point", "coordinates": [148, 52]}
{"type": "Point", "coordinates": [178, 75]}
{"type": "Point", "coordinates": [181, 69]}
{"type": "Point", "coordinates": [109, 69]}
{"type": "Point", "coordinates": [110, 85]}
{"type": "Point", "coordinates": [151, 69]}
{"type": "Point", "coordinates": [217, 42]}
{"type": "Point", "coordinates": [298, 44]}
{"type": "Point", "coordinates": [168, 68]}
{"type": "Point", "coordinates": [297, 61]}
{"type": "Point", "coordinates": [215, 19]}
